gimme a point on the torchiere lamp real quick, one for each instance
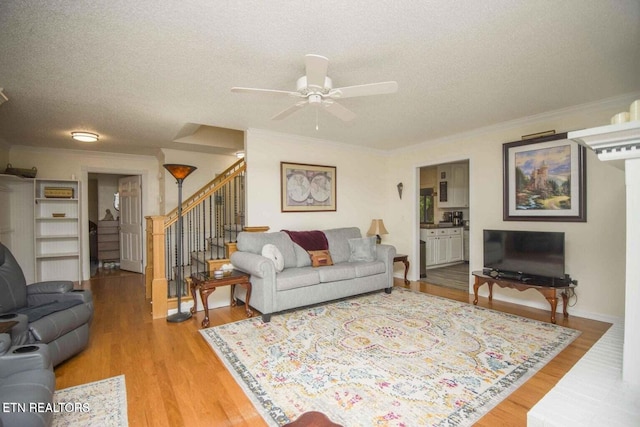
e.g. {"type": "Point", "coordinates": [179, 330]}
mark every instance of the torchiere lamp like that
{"type": "Point", "coordinates": [179, 172]}
{"type": "Point", "coordinates": [377, 228]}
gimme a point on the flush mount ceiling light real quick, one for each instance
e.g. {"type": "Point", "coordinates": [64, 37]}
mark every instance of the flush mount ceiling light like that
{"type": "Point", "coordinates": [84, 136]}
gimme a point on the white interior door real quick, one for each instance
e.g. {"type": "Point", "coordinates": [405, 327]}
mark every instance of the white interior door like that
{"type": "Point", "coordinates": [130, 189]}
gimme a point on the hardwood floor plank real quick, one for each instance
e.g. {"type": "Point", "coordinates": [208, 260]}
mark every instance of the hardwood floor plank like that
{"type": "Point", "coordinates": [173, 378]}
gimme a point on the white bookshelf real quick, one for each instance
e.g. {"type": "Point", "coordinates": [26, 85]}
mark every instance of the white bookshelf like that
{"type": "Point", "coordinates": [57, 247]}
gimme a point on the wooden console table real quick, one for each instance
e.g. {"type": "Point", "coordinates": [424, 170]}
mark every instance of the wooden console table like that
{"type": "Point", "coordinates": [207, 284]}
{"type": "Point", "coordinates": [405, 260]}
{"type": "Point", "coordinates": [549, 292]}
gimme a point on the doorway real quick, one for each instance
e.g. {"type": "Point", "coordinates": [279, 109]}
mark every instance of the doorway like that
{"type": "Point", "coordinates": [115, 223]}
{"type": "Point", "coordinates": [444, 211]}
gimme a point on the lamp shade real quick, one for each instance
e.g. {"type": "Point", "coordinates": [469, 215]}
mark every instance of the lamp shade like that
{"type": "Point", "coordinates": [377, 228]}
{"type": "Point", "coordinates": [179, 172]}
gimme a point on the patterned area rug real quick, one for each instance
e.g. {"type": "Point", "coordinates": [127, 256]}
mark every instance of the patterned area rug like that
{"type": "Point", "coordinates": [101, 403]}
{"type": "Point", "coordinates": [404, 359]}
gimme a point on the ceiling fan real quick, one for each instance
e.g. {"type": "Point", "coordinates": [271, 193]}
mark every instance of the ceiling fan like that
{"type": "Point", "coordinates": [315, 88]}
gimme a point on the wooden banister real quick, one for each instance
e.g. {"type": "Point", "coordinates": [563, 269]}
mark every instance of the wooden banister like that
{"type": "Point", "coordinates": [218, 212]}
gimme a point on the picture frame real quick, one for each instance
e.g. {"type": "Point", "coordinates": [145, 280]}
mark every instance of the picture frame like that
{"type": "Point", "coordinates": [545, 179]}
{"type": "Point", "coordinates": [307, 188]}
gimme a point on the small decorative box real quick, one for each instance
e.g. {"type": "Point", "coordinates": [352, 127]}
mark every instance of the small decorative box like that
{"type": "Point", "coordinates": [58, 192]}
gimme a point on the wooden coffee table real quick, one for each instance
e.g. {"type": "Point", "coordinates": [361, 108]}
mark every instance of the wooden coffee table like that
{"type": "Point", "coordinates": [207, 284]}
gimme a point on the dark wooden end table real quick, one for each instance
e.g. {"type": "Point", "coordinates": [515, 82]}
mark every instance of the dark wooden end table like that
{"type": "Point", "coordinates": [549, 292]}
{"type": "Point", "coordinates": [207, 284]}
{"type": "Point", "coordinates": [405, 260]}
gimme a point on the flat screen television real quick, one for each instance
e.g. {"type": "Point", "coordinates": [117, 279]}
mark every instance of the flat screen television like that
{"type": "Point", "coordinates": [525, 254]}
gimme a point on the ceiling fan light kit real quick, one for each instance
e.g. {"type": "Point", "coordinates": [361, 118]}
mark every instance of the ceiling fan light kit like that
{"type": "Point", "coordinates": [317, 90]}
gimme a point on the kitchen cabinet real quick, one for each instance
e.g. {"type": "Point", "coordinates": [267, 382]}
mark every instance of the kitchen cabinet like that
{"type": "Point", "coordinates": [453, 185]}
{"type": "Point", "coordinates": [443, 246]}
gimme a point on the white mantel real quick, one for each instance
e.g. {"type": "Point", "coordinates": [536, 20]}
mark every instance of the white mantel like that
{"type": "Point", "coordinates": [620, 143]}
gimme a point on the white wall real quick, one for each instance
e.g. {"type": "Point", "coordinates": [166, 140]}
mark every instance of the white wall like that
{"type": "Point", "coordinates": [209, 165]}
{"type": "Point", "coordinates": [595, 250]}
{"type": "Point", "coordinates": [64, 164]}
{"type": "Point", "coordinates": [361, 186]}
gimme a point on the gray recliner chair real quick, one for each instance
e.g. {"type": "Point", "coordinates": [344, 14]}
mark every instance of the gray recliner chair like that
{"type": "Point", "coordinates": [27, 384]}
{"type": "Point", "coordinates": [50, 312]}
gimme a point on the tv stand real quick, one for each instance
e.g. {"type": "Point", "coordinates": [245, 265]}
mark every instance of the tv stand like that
{"type": "Point", "coordinates": [549, 292]}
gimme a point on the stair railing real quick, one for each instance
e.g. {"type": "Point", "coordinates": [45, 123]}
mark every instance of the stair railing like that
{"type": "Point", "coordinates": [212, 218]}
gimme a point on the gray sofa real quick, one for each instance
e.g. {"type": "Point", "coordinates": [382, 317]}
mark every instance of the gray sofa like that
{"type": "Point", "coordinates": [51, 312]}
{"type": "Point", "coordinates": [299, 284]}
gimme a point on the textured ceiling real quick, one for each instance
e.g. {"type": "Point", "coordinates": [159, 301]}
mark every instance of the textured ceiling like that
{"type": "Point", "coordinates": [140, 73]}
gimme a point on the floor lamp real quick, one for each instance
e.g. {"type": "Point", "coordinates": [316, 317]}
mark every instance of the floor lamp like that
{"type": "Point", "coordinates": [179, 172]}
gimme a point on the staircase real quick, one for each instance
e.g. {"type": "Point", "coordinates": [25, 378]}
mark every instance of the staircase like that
{"type": "Point", "coordinates": [212, 218]}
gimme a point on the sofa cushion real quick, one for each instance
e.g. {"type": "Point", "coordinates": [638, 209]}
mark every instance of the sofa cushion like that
{"type": "Point", "coordinates": [40, 311]}
{"type": "Point", "coordinates": [273, 253]}
{"type": "Point", "coordinates": [338, 239]}
{"type": "Point", "coordinates": [364, 269]}
{"type": "Point", "coordinates": [302, 257]}
{"type": "Point", "coordinates": [254, 242]}
{"type": "Point", "coordinates": [363, 249]}
{"type": "Point", "coordinates": [292, 278]}
{"type": "Point", "coordinates": [333, 273]}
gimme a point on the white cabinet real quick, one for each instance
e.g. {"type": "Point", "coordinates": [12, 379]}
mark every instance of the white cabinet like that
{"type": "Point", "coordinates": [443, 246]}
{"type": "Point", "coordinates": [57, 230]}
{"type": "Point", "coordinates": [453, 185]}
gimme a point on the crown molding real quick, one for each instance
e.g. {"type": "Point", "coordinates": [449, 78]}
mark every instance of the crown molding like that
{"type": "Point", "coordinates": [603, 105]}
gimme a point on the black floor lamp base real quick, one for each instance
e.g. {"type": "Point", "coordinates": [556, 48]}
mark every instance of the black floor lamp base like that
{"type": "Point", "coordinates": [178, 317]}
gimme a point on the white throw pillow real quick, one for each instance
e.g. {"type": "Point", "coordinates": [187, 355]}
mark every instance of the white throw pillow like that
{"type": "Point", "coordinates": [273, 253]}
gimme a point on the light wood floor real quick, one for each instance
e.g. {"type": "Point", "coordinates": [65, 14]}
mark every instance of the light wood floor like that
{"type": "Point", "coordinates": [174, 379]}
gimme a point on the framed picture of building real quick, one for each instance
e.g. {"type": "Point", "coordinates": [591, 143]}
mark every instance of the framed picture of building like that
{"type": "Point", "coordinates": [544, 180]}
{"type": "Point", "coordinates": [307, 188]}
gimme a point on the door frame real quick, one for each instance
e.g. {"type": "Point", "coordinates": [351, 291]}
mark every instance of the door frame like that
{"type": "Point", "coordinates": [84, 190]}
{"type": "Point", "coordinates": [415, 268]}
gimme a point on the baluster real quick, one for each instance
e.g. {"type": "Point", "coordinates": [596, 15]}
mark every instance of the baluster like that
{"type": "Point", "coordinates": [217, 207]}
{"type": "Point", "coordinates": [211, 226]}
{"type": "Point", "coordinates": [235, 206]}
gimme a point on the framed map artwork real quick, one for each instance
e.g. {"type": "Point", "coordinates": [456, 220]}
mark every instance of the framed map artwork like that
{"type": "Point", "coordinates": [307, 188]}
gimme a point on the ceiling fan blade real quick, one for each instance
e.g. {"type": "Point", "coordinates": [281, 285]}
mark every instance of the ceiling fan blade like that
{"type": "Point", "coordinates": [316, 67]}
{"type": "Point", "coordinates": [364, 90]}
{"type": "Point", "coordinates": [339, 111]}
{"type": "Point", "coordinates": [289, 111]}
{"type": "Point", "coordinates": [264, 91]}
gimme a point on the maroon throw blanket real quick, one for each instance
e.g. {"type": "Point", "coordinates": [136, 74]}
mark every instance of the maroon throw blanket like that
{"type": "Point", "coordinates": [309, 240]}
